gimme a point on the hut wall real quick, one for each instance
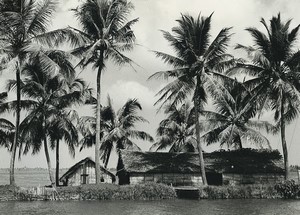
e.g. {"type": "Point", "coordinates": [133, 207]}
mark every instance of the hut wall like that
{"type": "Point", "coordinates": [174, 179]}
{"type": "Point", "coordinates": [76, 178]}
{"type": "Point", "coordinates": [239, 179]}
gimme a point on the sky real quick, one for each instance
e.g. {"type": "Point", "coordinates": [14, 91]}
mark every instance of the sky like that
{"type": "Point", "coordinates": [122, 83]}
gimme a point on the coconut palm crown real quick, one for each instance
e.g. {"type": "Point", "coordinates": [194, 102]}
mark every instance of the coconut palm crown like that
{"type": "Point", "coordinates": [177, 131]}
{"type": "Point", "coordinates": [232, 123]}
{"type": "Point", "coordinates": [118, 129]}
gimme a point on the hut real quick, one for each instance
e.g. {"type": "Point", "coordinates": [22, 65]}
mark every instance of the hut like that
{"type": "Point", "coordinates": [246, 166]}
{"type": "Point", "coordinates": [83, 172]}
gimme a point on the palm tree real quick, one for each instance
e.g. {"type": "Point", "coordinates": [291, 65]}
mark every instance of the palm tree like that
{"type": "Point", "coordinates": [275, 68]}
{"type": "Point", "coordinates": [63, 127]}
{"type": "Point", "coordinates": [231, 123]}
{"type": "Point", "coordinates": [177, 131]}
{"type": "Point", "coordinates": [50, 98]}
{"type": "Point", "coordinates": [7, 128]}
{"type": "Point", "coordinates": [118, 129]}
{"type": "Point", "coordinates": [195, 65]}
{"type": "Point", "coordinates": [107, 33]}
{"type": "Point", "coordinates": [23, 27]}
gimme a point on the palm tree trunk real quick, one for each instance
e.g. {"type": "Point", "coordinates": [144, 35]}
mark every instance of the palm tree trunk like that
{"type": "Point", "coordinates": [47, 154]}
{"type": "Point", "coordinates": [107, 158]}
{"type": "Point", "coordinates": [199, 147]}
{"type": "Point", "coordinates": [57, 163]}
{"type": "Point", "coordinates": [98, 122]}
{"type": "Point", "coordinates": [48, 161]}
{"type": "Point", "coordinates": [283, 141]}
{"type": "Point", "coordinates": [15, 143]}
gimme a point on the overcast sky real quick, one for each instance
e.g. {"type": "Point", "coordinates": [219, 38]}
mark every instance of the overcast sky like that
{"type": "Point", "coordinates": [154, 15]}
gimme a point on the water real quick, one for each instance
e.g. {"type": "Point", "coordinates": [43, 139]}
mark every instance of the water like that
{"type": "Point", "coordinates": [165, 207]}
{"type": "Point", "coordinates": [28, 177]}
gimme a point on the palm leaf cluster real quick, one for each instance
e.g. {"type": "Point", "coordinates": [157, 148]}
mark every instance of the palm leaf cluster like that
{"type": "Point", "coordinates": [177, 132]}
{"type": "Point", "coordinates": [7, 128]}
{"type": "Point", "coordinates": [232, 123]}
{"type": "Point", "coordinates": [118, 129]}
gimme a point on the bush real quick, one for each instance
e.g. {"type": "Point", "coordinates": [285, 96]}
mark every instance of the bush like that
{"type": "Point", "coordinates": [148, 191]}
{"type": "Point", "coordinates": [288, 189]}
{"type": "Point", "coordinates": [238, 192]}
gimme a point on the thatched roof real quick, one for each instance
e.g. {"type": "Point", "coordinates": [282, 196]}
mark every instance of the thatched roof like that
{"type": "Point", "coordinates": [247, 161]}
{"type": "Point", "coordinates": [79, 164]}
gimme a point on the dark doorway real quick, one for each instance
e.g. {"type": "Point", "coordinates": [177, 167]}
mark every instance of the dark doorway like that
{"type": "Point", "coordinates": [214, 178]}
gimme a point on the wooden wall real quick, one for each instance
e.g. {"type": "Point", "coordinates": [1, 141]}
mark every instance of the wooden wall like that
{"type": "Point", "coordinates": [177, 179]}
{"type": "Point", "coordinates": [238, 179]}
{"type": "Point", "coordinates": [174, 179]}
{"type": "Point", "coordinates": [88, 168]}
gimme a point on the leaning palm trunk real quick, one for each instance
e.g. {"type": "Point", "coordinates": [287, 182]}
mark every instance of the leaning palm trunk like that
{"type": "Point", "coordinates": [98, 122]}
{"type": "Point", "coordinates": [199, 147]}
{"type": "Point", "coordinates": [47, 154]}
{"type": "Point", "coordinates": [283, 141]}
{"type": "Point", "coordinates": [15, 143]}
{"type": "Point", "coordinates": [57, 164]}
{"type": "Point", "coordinates": [48, 161]}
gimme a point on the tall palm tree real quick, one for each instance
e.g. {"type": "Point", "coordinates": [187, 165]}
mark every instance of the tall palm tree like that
{"type": "Point", "coordinates": [7, 128]}
{"type": "Point", "coordinates": [107, 33]}
{"type": "Point", "coordinates": [118, 129]}
{"type": "Point", "coordinates": [50, 100]}
{"type": "Point", "coordinates": [274, 67]}
{"type": "Point", "coordinates": [232, 124]}
{"type": "Point", "coordinates": [23, 27]}
{"type": "Point", "coordinates": [195, 64]}
{"type": "Point", "coordinates": [177, 131]}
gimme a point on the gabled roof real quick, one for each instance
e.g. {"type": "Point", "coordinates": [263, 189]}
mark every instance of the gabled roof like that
{"type": "Point", "coordinates": [79, 164]}
{"type": "Point", "coordinates": [245, 161]}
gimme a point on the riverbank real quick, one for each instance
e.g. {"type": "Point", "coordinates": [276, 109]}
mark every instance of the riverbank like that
{"type": "Point", "coordinates": [150, 191]}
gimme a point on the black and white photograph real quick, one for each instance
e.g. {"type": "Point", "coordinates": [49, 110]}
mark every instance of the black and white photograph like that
{"type": "Point", "coordinates": [149, 107]}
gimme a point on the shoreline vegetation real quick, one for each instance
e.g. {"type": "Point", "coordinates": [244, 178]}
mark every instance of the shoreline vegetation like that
{"type": "Point", "coordinates": [150, 191]}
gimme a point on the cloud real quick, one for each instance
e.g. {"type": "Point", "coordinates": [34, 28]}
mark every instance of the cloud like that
{"type": "Point", "coordinates": [121, 91]}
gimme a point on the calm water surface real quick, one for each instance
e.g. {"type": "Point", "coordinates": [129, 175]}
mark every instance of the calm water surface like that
{"type": "Point", "coordinates": [165, 207]}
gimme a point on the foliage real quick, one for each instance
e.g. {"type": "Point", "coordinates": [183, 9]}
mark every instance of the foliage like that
{"type": "Point", "coordinates": [238, 192]}
{"type": "Point", "coordinates": [7, 128]}
{"type": "Point", "coordinates": [177, 131]}
{"type": "Point", "coordinates": [118, 128]}
{"type": "Point", "coordinates": [231, 124]}
{"type": "Point", "coordinates": [288, 189]}
{"type": "Point", "coordinates": [149, 191]}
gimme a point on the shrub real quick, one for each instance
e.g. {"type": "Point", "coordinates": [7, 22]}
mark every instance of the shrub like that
{"type": "Point", "coordinates": [148, 191]}
{"type": "Point", "coordinates": [238, 192]}
{"type": "Point", "coordinates": [288, 189]}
